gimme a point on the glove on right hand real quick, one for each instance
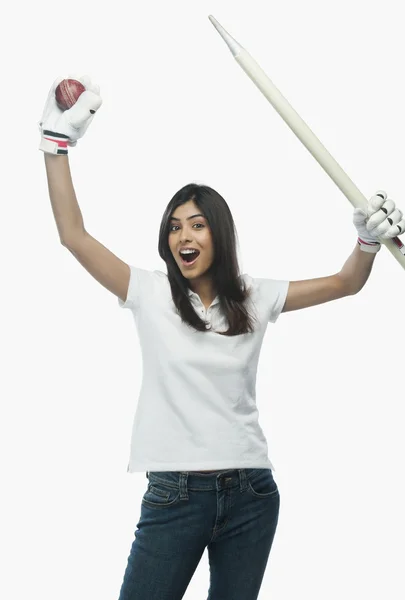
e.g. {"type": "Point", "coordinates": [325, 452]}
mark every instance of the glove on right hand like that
{"type": "Point", "coordinates": [59, 128]}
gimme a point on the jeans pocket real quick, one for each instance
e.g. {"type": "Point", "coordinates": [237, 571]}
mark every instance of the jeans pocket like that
{"type": "Point", "coordinates": [159, 495]}
{"type": "Point", "coordinates": [263, 485]}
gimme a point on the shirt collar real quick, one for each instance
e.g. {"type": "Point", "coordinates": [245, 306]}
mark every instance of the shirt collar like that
{"type": "Point", "coordinates": [196, 298]}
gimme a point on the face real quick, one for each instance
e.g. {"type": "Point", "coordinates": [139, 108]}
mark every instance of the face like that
{"type": "Point", "coordinates": [194, 232]}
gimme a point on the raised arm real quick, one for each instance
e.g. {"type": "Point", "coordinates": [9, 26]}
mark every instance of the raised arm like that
{"type": "Point", "coordinates": [101, 263]}
{"type": "Point", "coordinates": [349, 281]}
{"type": "Point", "coordinates": [382, 219]}
{"type": "Point", "coordinates": [66, 210]}
{"type": "Point", "coordinates": [59, 130]}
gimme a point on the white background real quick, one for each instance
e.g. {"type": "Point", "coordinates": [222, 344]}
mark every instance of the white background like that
{"type": "Point", "coordinates": [177, 108]}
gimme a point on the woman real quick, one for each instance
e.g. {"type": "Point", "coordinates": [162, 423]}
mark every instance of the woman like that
{"type": "Point", "coordinates": [201, 327]}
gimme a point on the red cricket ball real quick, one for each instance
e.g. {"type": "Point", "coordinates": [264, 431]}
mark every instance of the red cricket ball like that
{"type": "Point", "coordinates": [67, 93]}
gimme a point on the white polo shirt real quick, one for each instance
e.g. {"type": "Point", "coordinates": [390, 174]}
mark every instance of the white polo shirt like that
{"type": "Point", "coordinates": [197, 405]}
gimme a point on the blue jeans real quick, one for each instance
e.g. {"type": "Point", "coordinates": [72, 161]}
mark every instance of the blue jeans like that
{"type": "Point", "coordinates": [233, 513]}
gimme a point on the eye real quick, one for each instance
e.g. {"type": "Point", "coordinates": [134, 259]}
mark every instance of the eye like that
{"type": "Point", "coordinates": [171, 227]}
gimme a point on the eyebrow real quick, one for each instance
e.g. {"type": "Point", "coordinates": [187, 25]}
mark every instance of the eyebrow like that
{"type": "Point", "coordinates": [188, 218]}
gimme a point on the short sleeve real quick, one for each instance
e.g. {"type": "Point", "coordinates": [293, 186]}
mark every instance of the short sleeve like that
{"type": "Point", "coordinates": [273, 294]}
{"type": "Point", "coordinates": [141, 283]}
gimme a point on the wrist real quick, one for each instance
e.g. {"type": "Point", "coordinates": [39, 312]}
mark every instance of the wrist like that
{"type": "Point", "coordinates": [368, 246]}
{"type": "Point", "coordinates": [54, 143]}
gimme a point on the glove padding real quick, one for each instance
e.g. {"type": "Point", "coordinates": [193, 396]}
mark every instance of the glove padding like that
{"type": "Point", "coordinates": [75, 121]}
{"type": "Point", "coordinates": [381, 219]}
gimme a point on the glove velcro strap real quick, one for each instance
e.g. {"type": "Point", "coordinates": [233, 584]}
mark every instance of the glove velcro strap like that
{"type": "Point", "coordinates": [54, 143]}
{"type": "Point", "coordinates": [371, 247]}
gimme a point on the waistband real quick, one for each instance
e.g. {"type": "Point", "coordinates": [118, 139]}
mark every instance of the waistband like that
{"type": "Point", "coordinates": [194, 480]}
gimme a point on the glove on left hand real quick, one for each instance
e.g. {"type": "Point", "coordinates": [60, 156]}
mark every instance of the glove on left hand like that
{"type": "Point", "coordinates": [381, 220]}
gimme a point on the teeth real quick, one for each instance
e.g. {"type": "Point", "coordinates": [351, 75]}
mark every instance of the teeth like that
{"type": "Point", "coordinates": [187, 251]}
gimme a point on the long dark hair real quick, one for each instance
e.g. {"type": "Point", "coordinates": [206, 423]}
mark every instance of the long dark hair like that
{"type": "Point", "coordinates": [224, 271]}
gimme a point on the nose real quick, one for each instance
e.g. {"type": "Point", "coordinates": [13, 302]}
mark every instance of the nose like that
{"type": "Point", "coordinates": [185, 240]}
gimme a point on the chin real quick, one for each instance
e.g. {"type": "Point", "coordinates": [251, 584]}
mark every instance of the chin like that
{"type": "Point", "coordinates": [189, 274]}
{"type": "Point", "coordinates": [192, 274]}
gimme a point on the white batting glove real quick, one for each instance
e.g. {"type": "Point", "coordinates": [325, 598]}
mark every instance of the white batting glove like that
{"type": "Point", "coordinates": [60, 129]}
{"type": "Point", "coordinates": [382, 220]}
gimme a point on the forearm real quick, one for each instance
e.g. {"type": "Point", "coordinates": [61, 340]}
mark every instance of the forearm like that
{"type": "Point", "coordinates": [64, 203]}
{"type": "Point", "coordinates": [356, 270]}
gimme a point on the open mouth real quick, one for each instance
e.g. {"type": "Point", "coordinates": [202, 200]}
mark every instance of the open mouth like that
{"type": "Point", "coordinates": [189, 258]}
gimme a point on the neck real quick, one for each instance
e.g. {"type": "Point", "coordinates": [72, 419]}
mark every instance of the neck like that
{"type": "Point", "coordinates": [205, 289]}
